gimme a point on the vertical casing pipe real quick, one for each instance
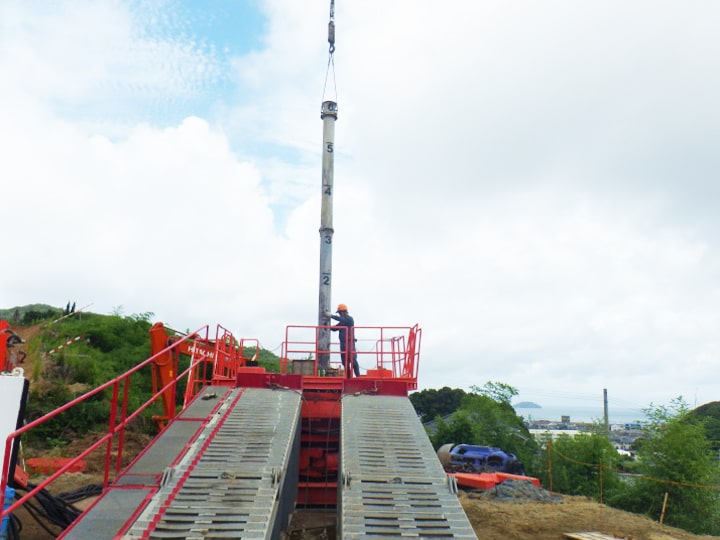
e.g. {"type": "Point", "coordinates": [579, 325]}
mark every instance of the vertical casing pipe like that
{"type": "Point", "coordinates": [329, 115]}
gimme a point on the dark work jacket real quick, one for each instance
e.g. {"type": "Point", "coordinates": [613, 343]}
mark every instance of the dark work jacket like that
{"type": "Point", "coordinates": [345, 323]}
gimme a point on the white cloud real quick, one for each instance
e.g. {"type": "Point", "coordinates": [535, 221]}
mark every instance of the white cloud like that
{"type": "Point", "coordinates": [531, 183]}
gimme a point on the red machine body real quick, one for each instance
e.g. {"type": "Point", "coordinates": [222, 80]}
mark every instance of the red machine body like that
{"type": "Point", "coordinates": [8, 354]}
{"type": "Point", "coordinates": [390, 354]}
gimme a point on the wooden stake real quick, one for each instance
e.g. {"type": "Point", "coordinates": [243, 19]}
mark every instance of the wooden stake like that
{"type": "Point", "coordinates": [662, 514]}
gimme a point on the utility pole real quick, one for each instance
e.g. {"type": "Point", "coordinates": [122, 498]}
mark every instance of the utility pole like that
{"type": "Point", "coordinates": [329, 115]}
{"type": "Point", "coordinates": [605, 410]}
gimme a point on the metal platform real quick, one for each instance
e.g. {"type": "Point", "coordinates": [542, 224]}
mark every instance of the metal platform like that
{"type": "Point", "coordinates": [393, 484]}
{"type": "Point", "coordinates": [226, 468]}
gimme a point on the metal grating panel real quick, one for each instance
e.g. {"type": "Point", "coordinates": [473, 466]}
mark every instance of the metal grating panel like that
{"type": "Point", "coordinates": [393, 484]}
{"type": "Point", "coordinates": [239, 480]}
{"type": "Point", "coordinates": [109, 514]}
{"type": "Point", "coordinates": [168, 447]}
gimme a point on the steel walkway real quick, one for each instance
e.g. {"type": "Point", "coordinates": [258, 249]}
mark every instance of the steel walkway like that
{"type": "Point", "coordinates": [393, 484]}
{"type": "Point", "coordinates": [235, 476]}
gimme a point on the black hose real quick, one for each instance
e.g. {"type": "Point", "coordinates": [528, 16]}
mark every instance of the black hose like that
{"type": "Point", "coordinates": [14, 528]}
{"type": "Point", "coordinates": [51, 511]}
{"type": "Point", "coordinates": [91, 490]}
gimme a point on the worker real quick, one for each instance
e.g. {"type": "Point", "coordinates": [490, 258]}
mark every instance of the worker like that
{"type": "Point", "coordinates": [346, 329]}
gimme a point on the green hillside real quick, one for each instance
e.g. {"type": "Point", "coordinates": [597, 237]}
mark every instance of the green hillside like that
{"type": "Point", "coordinates": [66, 358]}
{"type": "Point", "coordinates": [710, 413]}
{"type": "Point", "coordinates": [30, 314]}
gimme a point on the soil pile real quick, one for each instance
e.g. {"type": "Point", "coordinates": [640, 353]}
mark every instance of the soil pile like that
{"type": "Point", "coordinates": [507, 518]}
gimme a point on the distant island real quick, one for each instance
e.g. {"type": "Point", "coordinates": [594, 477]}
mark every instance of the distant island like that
{"type": "Point", "coordinates": [527, 405]}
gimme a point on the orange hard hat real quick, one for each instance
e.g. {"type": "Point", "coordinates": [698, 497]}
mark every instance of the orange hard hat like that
{"type": "Point", "coordinates": [342, 307]}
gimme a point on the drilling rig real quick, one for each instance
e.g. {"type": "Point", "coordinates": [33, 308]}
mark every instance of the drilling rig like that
{"type": "Point", "coordinates": [242, 452]}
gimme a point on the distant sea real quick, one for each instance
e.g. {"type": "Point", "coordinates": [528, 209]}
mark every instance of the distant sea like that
{"type": "Point", "coordinates": [580, 413]}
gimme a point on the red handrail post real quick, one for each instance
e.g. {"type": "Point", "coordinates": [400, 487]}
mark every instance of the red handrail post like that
{"type": "Point", "coordinates": [111, 430]}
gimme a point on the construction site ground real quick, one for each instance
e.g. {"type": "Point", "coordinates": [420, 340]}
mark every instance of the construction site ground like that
{"type": "Point", "coordinates": [550, 520]}
{"type": "Point", "coordinates": [490, 519]}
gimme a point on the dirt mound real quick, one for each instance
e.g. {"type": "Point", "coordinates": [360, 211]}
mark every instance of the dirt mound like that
{"type": "Point", "coordinates": [515, 491]}
{"type": "Point", "coordinates": [27, 332]}
{"type": "Point", "coordinates": [537, 520]}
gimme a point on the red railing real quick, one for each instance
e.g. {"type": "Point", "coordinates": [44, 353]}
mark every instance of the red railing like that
{"type": "Point", "coordinates": [201, 371]}
{"type": "Point", "coordinates": [118, 421]}
{"type": "Point", "coordinates": [221, 360]}
{"type": "Point", "coordinates": [250, 343]}
{"type": "Point", "coordinates": [384, 351]}
{"type": "Point", "coordinates": [228, 356]}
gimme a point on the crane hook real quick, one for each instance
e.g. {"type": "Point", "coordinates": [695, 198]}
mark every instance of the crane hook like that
{"type": "Point", "coordinates": [331, 36]}
{"type": "Point", "coordinates": [331, 27]}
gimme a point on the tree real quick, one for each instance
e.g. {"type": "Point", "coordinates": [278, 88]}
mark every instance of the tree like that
{"type": "Point", "coordinates": [675, 457]}
{"type": "Point", "coordinates": [709, 413]}
{"type": "Point", "coordinates": [432, 403]}
{"type": "Point", "coordinates": [583, 465]}
{"type": "Point", "coordinates": [485, 417]}
{"type": "Point", "coordinates": [460, 429]}
{"type": "Point", "coordinates": [497, 391]}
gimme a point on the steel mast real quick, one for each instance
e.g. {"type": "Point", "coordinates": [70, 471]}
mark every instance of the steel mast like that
{"type": "Point", "coordinates": [328, 114]}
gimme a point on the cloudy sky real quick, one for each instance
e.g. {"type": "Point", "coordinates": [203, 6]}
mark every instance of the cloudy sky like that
{"type": "Point", "coordinates": [535, 183]}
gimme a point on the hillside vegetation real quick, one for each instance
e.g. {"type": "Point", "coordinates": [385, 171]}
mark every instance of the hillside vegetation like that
{"type": "Point", "coordinates": [676, 459]}
{"type": "Point", "coordinates": [30, 314]}
{"type": "Point", "coordinates": [67, 357]}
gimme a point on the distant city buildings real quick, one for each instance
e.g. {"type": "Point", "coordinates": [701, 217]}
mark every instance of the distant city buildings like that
{"type": "Point", "coordinates": [621, 435]}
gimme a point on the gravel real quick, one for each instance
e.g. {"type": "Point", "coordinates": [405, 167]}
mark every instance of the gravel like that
{"type": "Point", "coordinates": [515, 491]}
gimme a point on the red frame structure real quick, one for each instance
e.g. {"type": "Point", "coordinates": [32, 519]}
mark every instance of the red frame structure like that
{"type": "Point", "coordinates": [392, 354]}
{"type": "Point", "coordinates": [391, 351]}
